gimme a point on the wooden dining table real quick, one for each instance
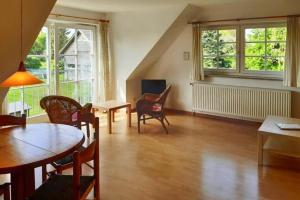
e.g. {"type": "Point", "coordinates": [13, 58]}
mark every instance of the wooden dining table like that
{"type": "Point", "coordinates": [22, 149]}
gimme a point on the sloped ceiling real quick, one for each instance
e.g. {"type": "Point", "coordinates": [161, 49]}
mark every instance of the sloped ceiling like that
{"type": "Point", "coordinates": [134, 5]}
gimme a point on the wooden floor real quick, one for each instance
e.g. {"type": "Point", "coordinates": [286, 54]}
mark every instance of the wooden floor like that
{"type": "Point", "coordinates": [200, 158]}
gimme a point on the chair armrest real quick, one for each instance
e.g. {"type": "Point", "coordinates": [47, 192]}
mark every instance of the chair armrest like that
{"type": "Point", "coordinates": [86, 108]}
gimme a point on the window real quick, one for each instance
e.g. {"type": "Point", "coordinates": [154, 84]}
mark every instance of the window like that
{"type": "Point", "coordinates": [64, 58]}
{"type": "Point", "coordinates": [255, 50]}
{"type": "Point", "coordinates": [264, 49]}
{"type": "Point", "coordinates": [219, 49]}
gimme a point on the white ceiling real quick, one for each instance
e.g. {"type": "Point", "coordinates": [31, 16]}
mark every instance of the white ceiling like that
{"type": "Point", "coordinates": [128, 5]}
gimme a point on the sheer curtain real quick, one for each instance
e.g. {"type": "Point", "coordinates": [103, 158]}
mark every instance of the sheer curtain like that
{"type": "Point", "coordinates": [198, 72]}
{"type": "Point", "coordinates": [292, 69]}
{"type": "Point", "coordinates": [105, 92]}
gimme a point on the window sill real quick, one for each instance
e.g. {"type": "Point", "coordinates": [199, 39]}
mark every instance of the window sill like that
{"type": "Point", "coordinates": [244, 76]}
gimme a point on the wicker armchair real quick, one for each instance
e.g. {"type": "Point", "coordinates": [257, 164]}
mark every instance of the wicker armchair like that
{"type": "Point", "coordinates": [153, 106]}
{"type": "Point", "coordinates": [64, 110]}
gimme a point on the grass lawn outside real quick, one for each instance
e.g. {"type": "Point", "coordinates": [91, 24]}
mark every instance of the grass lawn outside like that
{"type": "Point", "coordinates": [33, 94]}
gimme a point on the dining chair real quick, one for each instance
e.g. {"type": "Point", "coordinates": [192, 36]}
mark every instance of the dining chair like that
{"type": "Point", "coordinates": [4, 190]}
{"type": "Point", "coordinates": [8, 120]}
{"type": "Point", "coordinates": [76, 186]}
{"type": "Point", "coordinates": [68, 161]}
{"type": "Point", "coordinates": [64, 110]}
{"type": "Point", "coordinates": [152, 105]}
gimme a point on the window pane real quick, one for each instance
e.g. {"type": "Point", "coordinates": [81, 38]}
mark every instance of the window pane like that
{"type": "Point", "coordinates": [37, 66]}
{"type": "Point", "coordinates": [227, 63]}
{"type": "Point", "coordinates": [40, 45]}
{"type": "Point", "coordinates": [227, 35]}
{"type": "Point", "coordinates": [274, 64]}
{"type": "Point", "coordinates": [210, 49]}
{"type": "Point", "coordinates": [254, 63]}
{"type": "Point", "coordinates": [66, 38]}
{"type": "Point", "coordinates": [210, 36]}
{"type": "Point", "coordinates": [68, 89]}
{"type": "Point", "coordinates": [210, 63]}
{"type": "Point", "coordinates": [85, 91]}
{"type": "Point", "coordinates": [255, 49]}
{"type": "Point", "coordinates": [32, 97]}
{"type": "Point", "coordinates": [66, 66]}
{"type": "Point", "coordinates": [276, 34]}
{"type": "Point", "coordinates": [276, 49]}
{"type": "Point", "coordinates": [255, 35]}
{"type": "Point", "coordinates": [227, 49]}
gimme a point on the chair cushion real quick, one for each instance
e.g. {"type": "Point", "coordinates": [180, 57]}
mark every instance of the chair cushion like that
{"type": "Point", "coordinates": [74, 116]}
{"type": "Point", "coordinates": [68, 159]}
{"type": "Point", "coordinates": [59, 187]}
{"type": "Point", "coordinates": [156, 107]}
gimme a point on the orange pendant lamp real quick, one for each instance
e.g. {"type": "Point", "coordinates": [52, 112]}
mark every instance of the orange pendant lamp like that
{"type": "Point", "coordinates": [21, 77]}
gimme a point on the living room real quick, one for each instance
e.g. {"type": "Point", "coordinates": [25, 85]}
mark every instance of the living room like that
{"type": "Point", "coordinates": [224, 83]}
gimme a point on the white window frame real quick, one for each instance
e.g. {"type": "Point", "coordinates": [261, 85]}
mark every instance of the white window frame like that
{"type": "Point", "coordinates": [240, 70]}
{"type": "Point", "coordinates": [270, 74]}
{"type": "Point", "coordinates": [219, 70]}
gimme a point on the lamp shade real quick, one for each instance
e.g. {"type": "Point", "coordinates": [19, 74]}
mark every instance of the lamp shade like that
{"type": "Point", "coordinates": [21, 78]}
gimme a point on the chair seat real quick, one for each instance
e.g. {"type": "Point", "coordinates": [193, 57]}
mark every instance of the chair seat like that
{"type": "Point", "coordinates": [152, 108]}
{"type": "Point", "coordinates": [59, 187]}
{"type": "Point", "coordinates": [68, 159]}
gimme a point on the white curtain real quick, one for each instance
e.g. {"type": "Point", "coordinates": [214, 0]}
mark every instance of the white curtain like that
{"type": "Point", "coordinates": [292, 66]}
{"type": "Point", "coordinates": [198, 71]}
{"type": "Point", "coordinates": [4, 108]}
{"type": "Point", "coordinates": [105, 89]}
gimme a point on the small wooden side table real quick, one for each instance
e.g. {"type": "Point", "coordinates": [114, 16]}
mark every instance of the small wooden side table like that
{"type": "Point", "coordinates": [272, 139]}
{"type": "Point", "coordinates": [110, 107]}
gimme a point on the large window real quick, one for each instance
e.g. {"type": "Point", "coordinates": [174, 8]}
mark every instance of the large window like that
{"type": "Point", "coordinates": [64, 58]}
{"type": "Point", "coordinates": [255, 50]}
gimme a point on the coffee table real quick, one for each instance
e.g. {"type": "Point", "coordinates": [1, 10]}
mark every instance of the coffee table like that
{"type": "Point", "coordinates": [110, 107]}
{"type": "Point", "coordinates": [272, 139]}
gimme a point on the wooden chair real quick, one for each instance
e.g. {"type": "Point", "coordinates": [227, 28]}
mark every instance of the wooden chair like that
{"type": "Point", "coordinates": [68, 162]}
{"type": "Point", "coordinates": [8, 120]}
{"type": "Point", "coordinates": [64, 110]}
{"type": "Point", "coordinates": [153, 106]}
{"type": "Point", "coordinates": [76, 187]}
{"type": "Point", "coordinates": [4, 190]}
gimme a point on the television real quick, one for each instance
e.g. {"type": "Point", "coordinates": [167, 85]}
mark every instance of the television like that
{"type": "Point", "coordinates": [153, 86]}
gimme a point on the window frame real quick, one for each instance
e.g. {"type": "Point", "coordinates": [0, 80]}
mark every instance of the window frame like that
{"type": "Point", "coordinates": [240, 70]}
{"type": "Point", "coordinates": [220, 70]}
{"type": "Point", "coordinates": [266, 74]}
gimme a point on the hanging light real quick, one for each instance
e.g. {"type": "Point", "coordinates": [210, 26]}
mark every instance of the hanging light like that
{"type": "Point", "coordinates": [21, 77]}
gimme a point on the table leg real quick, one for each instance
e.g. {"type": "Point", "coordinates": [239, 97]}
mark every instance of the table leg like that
{"type": "Point", "coordinates": [113, 116]}
{"type": "Point", "coordinates": [22, 183]}
{"type": "Point", "coordinates": [129, 115]}
{"type": "Point", "coordinates": [260, 149]}
{"type": "Point", "coordinates": [109, 121]}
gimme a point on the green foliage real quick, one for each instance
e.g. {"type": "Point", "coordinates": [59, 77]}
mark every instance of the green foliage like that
{"type": "Point", "coordinates": [219, 48]}
{"type": "Point", "coordinates": [264, 49]}
{"type": "Point", "coordinates": [33, 63]}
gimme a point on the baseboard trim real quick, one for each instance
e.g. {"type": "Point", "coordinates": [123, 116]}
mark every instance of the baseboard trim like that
{"type": "Point", "coordinates": [212, 116]}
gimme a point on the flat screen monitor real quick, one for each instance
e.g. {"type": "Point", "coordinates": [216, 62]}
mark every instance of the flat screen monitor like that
{"type": "Point", "coordinates": [153, 86]}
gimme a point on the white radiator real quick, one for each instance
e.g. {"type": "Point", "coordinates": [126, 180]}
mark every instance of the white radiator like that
{"type": "Point", "coordinates": [240, 102]}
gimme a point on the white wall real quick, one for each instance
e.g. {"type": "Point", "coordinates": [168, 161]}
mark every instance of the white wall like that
{"type": "Point", "coordinates": [133, 34]}
{"type": "Point", "coordinates": [172, 67]}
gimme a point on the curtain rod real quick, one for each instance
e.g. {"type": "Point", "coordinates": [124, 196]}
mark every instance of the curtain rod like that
{"type": "Point", "coordinates": [60, 15]}
{"type": "Point", "coordinates": [243, 19]}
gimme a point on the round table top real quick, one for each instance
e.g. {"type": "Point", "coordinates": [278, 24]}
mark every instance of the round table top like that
{"type": "Point", "coordinates": [36, 144]}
